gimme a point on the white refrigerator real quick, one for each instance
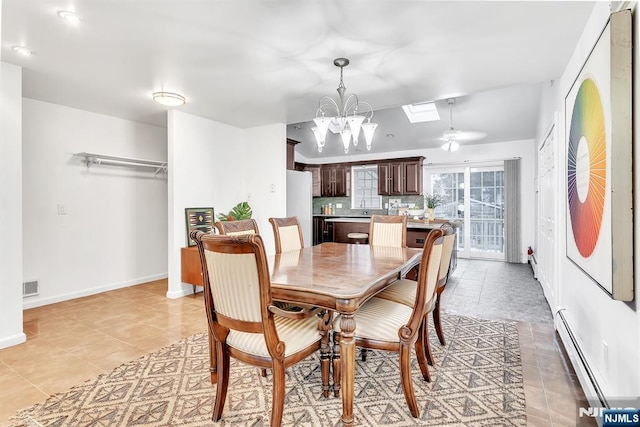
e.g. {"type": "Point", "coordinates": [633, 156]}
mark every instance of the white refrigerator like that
{"type": "Point", "coordinates": [300, 202]}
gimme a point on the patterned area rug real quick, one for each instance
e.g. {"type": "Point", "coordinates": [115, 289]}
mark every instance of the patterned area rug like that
{"type": "Point", "coordinates": [476, 381]}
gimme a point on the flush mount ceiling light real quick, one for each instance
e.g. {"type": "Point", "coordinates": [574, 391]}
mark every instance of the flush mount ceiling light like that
{"type": "Point", "coordinates": [22, 50]}
{"type": "Point", "coordinates": [70, 17]}
{"type": "Point", "coordinates": [344, 116]}
{"type": "Point", "coordinates": [169, 99]}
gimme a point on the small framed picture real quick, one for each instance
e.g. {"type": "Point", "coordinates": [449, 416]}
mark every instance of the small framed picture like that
{"type": "Point", "coordinates": [198, 219]}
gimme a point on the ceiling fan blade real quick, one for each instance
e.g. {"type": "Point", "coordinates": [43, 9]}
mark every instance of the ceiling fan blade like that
{"type": "Point", "coordinates": [461, 135]}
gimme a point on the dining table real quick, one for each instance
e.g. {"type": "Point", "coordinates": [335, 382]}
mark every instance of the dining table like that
{"type": "Point", "coordinates": [339, 277]}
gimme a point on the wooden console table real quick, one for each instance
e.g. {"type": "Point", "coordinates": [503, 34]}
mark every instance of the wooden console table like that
{"type": "Point", "coordinates": [191, 268]}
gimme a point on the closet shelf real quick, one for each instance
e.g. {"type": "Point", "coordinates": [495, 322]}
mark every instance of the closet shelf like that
{"type": "Point", "coordinates": [102, 159]}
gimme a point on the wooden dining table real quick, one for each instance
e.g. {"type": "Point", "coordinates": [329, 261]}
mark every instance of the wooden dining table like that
{"type": "Point", "coordinates": [339, 277]}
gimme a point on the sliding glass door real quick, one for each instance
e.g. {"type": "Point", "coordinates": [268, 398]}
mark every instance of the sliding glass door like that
{"type": "Point", "coordinates": [474, 196]}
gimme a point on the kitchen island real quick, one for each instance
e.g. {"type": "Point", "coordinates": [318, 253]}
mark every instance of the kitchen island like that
{"type": "Point", "coordinates": [336, 229]}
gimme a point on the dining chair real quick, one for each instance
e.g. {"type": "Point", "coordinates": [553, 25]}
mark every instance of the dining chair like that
{"type": "Point", "coordinates": [383, 324]}
{"type": "Point", "coordinates": [388, 230]}
{"type": "Point", "coordinates": [237, 227]}
{"type": "Point", "coordinates": [287, 233]}
{"type": "Point", "coordinates": [243, 320]}
{"type": "Point", "coordinates": [404, 291]}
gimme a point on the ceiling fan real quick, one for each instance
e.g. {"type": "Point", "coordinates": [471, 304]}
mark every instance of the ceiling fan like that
{"type": "Point", "coordinates": [452, 137]}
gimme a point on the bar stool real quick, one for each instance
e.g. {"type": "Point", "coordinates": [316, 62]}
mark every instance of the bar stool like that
{"type": "Point", "coordinates": [358, 238]}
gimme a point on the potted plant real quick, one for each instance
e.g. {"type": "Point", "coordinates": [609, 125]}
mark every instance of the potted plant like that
{"type": "Point", "coordinates": [240, 211]}
{"type": "Point", "coordinates": [432, 201]}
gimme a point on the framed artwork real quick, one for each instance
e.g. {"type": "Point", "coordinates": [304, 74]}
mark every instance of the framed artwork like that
{"type": "Point", "coordinates": [198, 219]}
{"type": "Point", "coordinates": [599, 180]}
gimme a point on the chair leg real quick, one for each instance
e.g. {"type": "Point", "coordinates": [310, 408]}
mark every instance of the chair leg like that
{"type": "Point", "coordinates": [427, 345]}
{"type": "Point", "coordinates": [263, 372]}
{"type": "Point", "coordinates": [336, 364]}
{"type": "Point", "coordinates": [325, 352]}
{"type": "Point", "coordinates": [436, 318]}
{"type": "Point", "coordinates": [223, 380]}
{"type": "Point", "coordinates": [407, 384]}
{"type": "Point", "coordinates": [213, 373]}
{"type": "Point", "coordinates": [363, 354]}
{"type": "Point", "coordinates": [421, 352]}
{"type": "Point", "coordinates": [277, 406]}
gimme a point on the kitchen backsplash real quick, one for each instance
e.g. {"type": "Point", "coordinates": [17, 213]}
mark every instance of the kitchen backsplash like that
{"type": "Point", "coordinates": [318, 202]}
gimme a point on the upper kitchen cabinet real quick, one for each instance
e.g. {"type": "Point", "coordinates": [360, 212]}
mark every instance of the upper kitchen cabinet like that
{"type": "Point", "coordinates": [316, 180]}
{"type": "Point", "coordinates": [291, 150]}
{"type": "Point", "coordinates": [400, 177]}
{"type": "Point", "coordinates": [334, 180]}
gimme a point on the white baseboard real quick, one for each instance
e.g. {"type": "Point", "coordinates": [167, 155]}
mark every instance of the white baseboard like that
{"type": "Point", "coordinates": [92, 291]}
{"type": "Point", "coordinates": [13, 340]}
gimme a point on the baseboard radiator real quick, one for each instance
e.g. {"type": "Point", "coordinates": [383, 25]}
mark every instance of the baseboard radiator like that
{"type": "Point", "coordinates": [534, 265]}
{"type": "Point", "coordinates": [588, 381]}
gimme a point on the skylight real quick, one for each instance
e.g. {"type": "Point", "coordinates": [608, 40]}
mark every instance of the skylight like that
{"type": "Point", "coordinates": [421, 112]}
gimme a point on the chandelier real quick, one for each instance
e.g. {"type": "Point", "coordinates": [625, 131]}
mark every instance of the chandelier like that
{"type": "Point", "coordinates": [346, 116]}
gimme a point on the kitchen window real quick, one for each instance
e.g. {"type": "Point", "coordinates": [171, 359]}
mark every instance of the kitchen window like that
{"type": "Point", "coordinates": [364, 187]}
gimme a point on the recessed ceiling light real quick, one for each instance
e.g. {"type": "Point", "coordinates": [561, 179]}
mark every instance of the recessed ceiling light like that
{"type": "Point", "coordinates": [390, 135]}
{"type": "Point", "coordinates": [169, 99]}
{"type": "Point", "coordinates": [69, 16]}
{"type": "Point", "coordinates": [22, 50]}
{"type": "Point", "coordinates": [422, 112]}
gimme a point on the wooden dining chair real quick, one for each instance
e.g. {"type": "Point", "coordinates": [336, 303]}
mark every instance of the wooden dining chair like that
{"type": "Point", "coordinates": [287, 233]}
{"type": "Point", "coordinates": [388, 230]}
{"type": "Point", "coordinates": [243, 320]}
{"type": "Point", "coordinates": [404, 291]}
{"type": "Point", "coordinates": [383, 324]}
{"type": "Point", "coordinates": [237, 227]}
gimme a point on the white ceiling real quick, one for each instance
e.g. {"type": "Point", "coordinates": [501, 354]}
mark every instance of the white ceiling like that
{"type": "Point", "coordinates": [254, 62]}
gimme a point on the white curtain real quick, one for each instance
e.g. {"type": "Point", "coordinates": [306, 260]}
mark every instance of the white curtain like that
{"type": "Point", "coordinates": [512, 210]}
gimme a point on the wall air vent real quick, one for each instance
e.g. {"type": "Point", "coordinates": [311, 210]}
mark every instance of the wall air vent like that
{"type": "Point", "coordinates": [30, 289]}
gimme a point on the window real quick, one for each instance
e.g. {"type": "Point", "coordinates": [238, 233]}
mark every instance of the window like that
{"type": "Point", "coordinates": [364, 188]}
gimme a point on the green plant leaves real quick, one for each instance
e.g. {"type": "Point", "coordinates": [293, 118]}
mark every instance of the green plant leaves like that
{"type": "Point", "coordinates": [240, 211]}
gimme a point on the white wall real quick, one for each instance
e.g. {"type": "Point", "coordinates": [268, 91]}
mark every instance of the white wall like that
{"type": "Point", "coordinates": [592, 314]}
{"type": "Point", "coordinates": [113, 232]}
{"type": "Point", "coordinates": [524, 149]}
{"type": "Point", "coordinates": [267, 157]}
{"type": "Point", "coordinates": [10, 205]}
{"type": "Point", "coordinates": [217, 165]}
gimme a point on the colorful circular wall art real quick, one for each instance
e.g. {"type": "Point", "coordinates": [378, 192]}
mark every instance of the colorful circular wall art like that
{"type": "Point", "coordinates": [586, 167]}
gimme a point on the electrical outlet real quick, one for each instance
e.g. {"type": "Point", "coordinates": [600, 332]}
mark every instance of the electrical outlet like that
{"type": "Point", "coordinates": [338, 205]}
{"type": "Point", "coordinates": [61, 209]}
{"type": "Point", "coordinates": [272, 188]}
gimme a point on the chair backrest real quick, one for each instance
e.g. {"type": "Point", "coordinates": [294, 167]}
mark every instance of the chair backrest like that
{"type": "Point", "coordinates": [236, 283]}
{"type": "Point", "coordinates": [238, 227]}
{"type": "Point", "coordinates": [287, 233]}
{"type": "Point", "coordinates": [388, 230]}
{"type": "Point", "coordinates": [428, 275]}
{"type": "Point", "coordinates": [447, 251]}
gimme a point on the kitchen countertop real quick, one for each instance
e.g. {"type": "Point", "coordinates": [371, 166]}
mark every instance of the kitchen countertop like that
{"type": "Point", "coordinates": [411, 223]}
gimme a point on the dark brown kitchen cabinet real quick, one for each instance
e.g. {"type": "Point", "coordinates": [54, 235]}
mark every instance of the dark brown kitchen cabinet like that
{"type": "Point", "coordinates": [316, 180]}
{"type": "Point", "coordinates": [333, 180]}
{"type": "Point", "coordinates": [397, 178]}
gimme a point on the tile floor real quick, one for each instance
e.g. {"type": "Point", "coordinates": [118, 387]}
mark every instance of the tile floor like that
{"type": "Point", "coordinates": [72, 341]}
